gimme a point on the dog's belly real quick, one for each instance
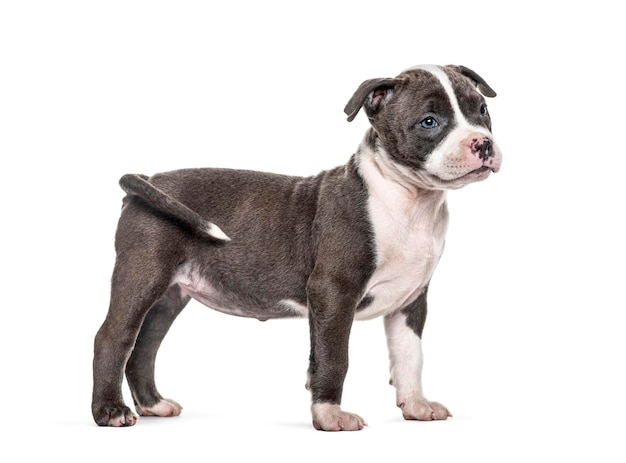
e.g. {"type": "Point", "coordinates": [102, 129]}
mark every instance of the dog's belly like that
{"type": "Point", "coordinates": [194, 285]}
{"type": "Point", "coordinates": [391, 287]}
{"type": "Point", "coordinates": [222, 303]}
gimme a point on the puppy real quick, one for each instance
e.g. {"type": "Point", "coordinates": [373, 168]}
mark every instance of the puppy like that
{"type": "Point", "coordinates": [353, 243]}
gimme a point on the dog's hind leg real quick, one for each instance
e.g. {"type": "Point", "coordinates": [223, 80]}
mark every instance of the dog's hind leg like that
{"type": "Point", "coordinates": [140, 366]}
{"type": "Point", "coordinates": [143, 270]}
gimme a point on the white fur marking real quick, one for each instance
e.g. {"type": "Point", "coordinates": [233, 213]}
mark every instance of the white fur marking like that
{"type": "Point", "coordinates": [409, 231]}
{"type": "Point", "coordinates": [296, 307]}
{"type": "Point", "coordinates": [405, 355]}
{"type": "Point", "coordinates": [216, 232]}
{"type": "Point", "coordinates": [447, 86]}
{"type": "Point", "coordinates": [192, 284]}
{"type": "Point", "coordinates": [439, 73]}
{"type": "Point", "coordinates": [166, 407]}
{"type": "Point", "coordinates": [330, 417]}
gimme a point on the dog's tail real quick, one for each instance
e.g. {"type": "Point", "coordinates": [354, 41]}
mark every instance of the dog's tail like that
{"type": "Point", "coordinates": [138, 185]}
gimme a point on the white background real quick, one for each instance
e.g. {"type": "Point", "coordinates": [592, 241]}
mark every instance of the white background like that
{"type": "Point", "coordinates": [525, 337]}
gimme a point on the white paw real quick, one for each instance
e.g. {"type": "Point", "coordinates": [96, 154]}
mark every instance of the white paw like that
{"type": "Point", "coordinates": [423, 410]}
{"type": "Point", "coordinates": [166, 407]}
{"type": "Point", "coordinates": [123, 420]}
{"type": "Point", "coordinates": [330, 417]}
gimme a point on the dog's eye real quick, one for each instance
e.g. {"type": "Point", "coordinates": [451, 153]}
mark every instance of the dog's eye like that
{"type": "Point", "coordinates": [429, 123]}
{"type": "Point", "coordinates": [483, 110]}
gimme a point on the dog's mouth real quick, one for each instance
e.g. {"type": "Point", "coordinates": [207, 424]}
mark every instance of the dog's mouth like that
{"type": "Point", "coordinates": [478, 174]}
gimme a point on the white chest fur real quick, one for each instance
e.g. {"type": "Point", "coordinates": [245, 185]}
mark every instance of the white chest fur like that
{"type": "Point", "coordinates": [409, 233]}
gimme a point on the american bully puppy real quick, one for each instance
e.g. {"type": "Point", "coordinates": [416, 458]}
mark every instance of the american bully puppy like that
{"type": "Point", "coordinates": [353, 243]}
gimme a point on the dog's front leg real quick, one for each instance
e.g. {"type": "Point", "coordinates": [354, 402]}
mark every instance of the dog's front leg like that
{"type": "Point", "coordinates": [404, 330]}
{"type": "Point", "coordinates": [331, 312]}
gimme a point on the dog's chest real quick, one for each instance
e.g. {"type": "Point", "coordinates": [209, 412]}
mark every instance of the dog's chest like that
{"type": "Point", "coordinates": [409, 233]}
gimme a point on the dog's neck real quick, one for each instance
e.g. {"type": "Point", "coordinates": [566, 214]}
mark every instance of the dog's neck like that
{"type": "Point", "coordinates": [417, 184]}
{"type": "Point", "coordinates": [398, 192]}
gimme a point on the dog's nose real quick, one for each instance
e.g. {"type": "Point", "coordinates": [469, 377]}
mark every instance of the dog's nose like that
{"type": "Point", "coordinates": [482, 147]}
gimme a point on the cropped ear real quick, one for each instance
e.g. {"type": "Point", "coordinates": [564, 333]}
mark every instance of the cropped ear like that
{"type": "Point", "coordinates": [373, 93]}
{"type": "Point", "coordinates": [480, 83]}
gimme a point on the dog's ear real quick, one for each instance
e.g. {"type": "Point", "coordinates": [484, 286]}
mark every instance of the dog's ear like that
{"type": "Point", "coordinates": [373, 94]}
{"type": "Point", "coordinates": [482, 86]}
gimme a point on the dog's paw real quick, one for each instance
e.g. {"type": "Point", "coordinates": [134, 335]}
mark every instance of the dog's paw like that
{"type": "Point", "coordinates": [115, 415]}
{"type": "Point", "coordinates": [330, 417]}
{"type": "Point", "coordinates": [165, 407]}
{"type": "Point", "coordinates": [423, 410]}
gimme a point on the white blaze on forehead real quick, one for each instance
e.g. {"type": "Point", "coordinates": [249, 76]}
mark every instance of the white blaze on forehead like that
{"type": "Point", "coordinates": [447, 86]}
{"type": "Point", "coordinates": [444, 80]}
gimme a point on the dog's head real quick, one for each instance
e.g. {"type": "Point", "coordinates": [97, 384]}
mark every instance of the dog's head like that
{"type": "Point", "coordinates": [433, 122]}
